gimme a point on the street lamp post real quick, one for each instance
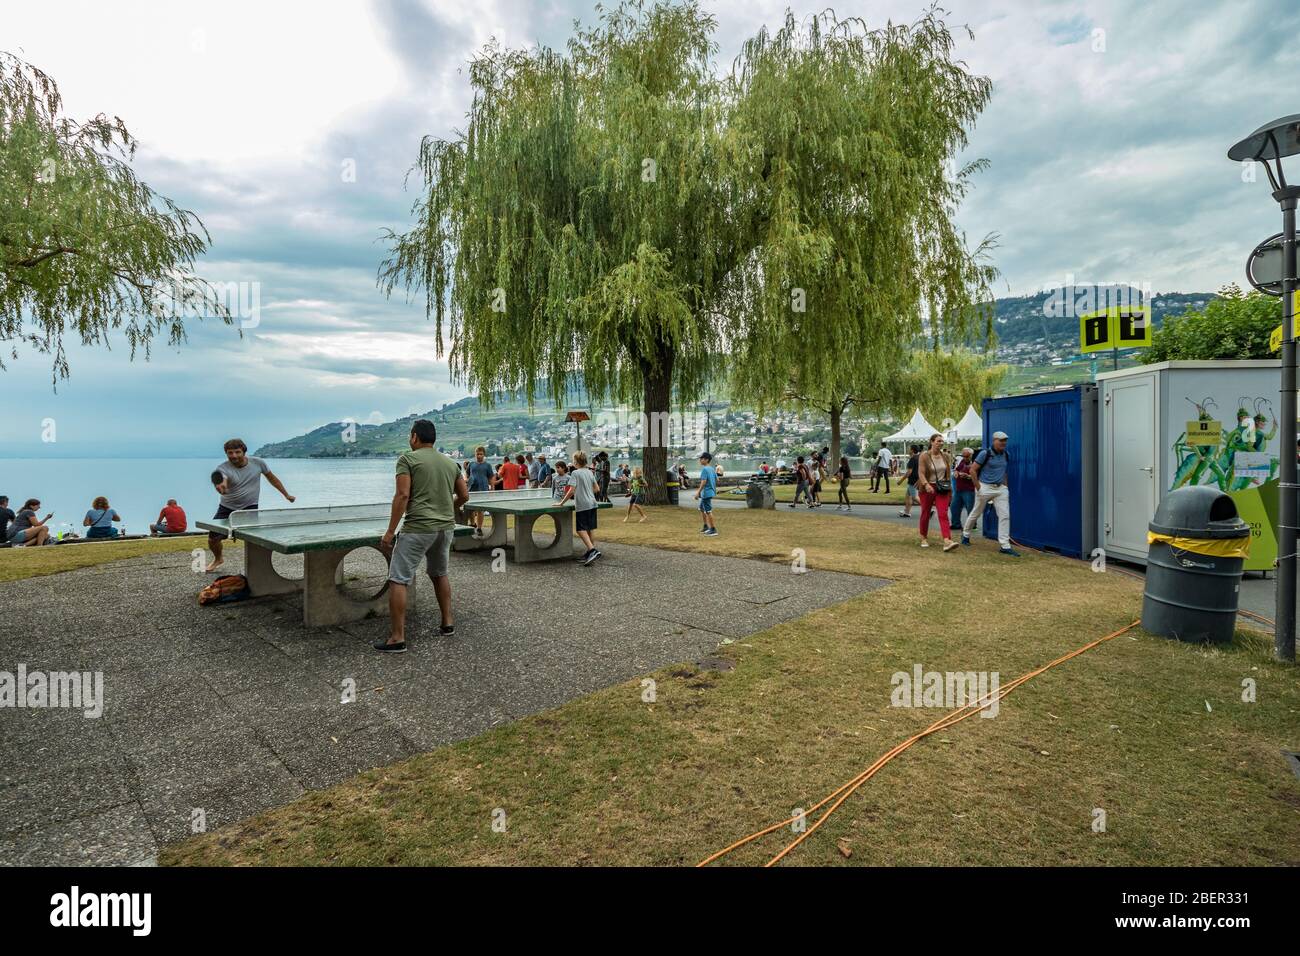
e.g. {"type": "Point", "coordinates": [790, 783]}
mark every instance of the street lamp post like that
{"type": "Point", "coordinates": [708, 407]}
{"type": "Point", "coordinates": [1272, 141]}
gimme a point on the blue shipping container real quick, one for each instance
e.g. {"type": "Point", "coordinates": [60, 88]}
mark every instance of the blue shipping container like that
{"type": "Point", "coordinates": [1052, 476]}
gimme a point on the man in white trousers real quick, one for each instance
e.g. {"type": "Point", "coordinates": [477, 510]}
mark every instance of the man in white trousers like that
{"type": "Point", "coordinates": [989, 472]}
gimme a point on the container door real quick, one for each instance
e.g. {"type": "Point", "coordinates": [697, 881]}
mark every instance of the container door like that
{"type": "Point", "coordinates": [1131, 475]}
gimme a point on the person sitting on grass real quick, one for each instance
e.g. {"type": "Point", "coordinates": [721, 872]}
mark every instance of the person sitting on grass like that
{"type": "Point", "coordinates": [636, 488]}
{"type": "Point", "coordinates": [26, 529]}
{"type": "Point", "coordinates": [171, 520]}
{"type": "Point", "coordinates": [99, 519]}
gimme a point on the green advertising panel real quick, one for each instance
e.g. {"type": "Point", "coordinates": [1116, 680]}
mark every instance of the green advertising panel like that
{"type": "Point", "coordinates": [1251, 507]}
{"type": "Point", "coordinates": [1239, 457]}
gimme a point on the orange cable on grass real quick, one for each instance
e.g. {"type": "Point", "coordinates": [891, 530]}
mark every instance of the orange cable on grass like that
{"type": "Point", "coordinates": [845, 791]}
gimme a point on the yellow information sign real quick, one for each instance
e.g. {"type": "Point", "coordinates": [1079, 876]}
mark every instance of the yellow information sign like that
{"type": "Point", "coordinates": [1115, 328]}
{"type": "Point", "coordinates": [1204, 432]}
{"type": "Point", "coordinates": [1275, 339]}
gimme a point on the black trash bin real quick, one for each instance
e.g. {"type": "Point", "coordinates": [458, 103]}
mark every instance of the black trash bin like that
{"type": "Point", "coordinates": [1197, 546]}
{"type": "Point", "coordinates": [674, 487]}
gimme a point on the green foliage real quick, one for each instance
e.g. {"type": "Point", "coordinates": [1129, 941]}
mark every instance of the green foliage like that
{"type": "Point", "coordinates": [1236, 325]}
{"type": "Point", "coordinates": [849, 135]}
{"type": "Point", "coordinates": [620, 212]}
{"type": "Point", "coordinates": [86, 247]}
{"type": "Point", "coordinates": [585, 200]}
{"type": "Point", "coordinates": [948, 381]}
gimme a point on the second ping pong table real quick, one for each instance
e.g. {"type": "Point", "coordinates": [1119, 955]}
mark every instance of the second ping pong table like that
{"type": "Point", "coordinates": [525, 505]}
{"type": "Point", "coordinates": [324, 537]}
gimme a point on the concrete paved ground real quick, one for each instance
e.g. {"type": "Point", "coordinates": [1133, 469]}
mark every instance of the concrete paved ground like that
{"type": "Point", "coordinates": [224, 711]}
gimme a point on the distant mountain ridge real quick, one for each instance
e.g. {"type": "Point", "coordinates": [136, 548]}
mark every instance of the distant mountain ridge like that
{"type": "Point", "coordinates": [1024, 319]}
{"type": "Point", "coordinates": [1020, 321]}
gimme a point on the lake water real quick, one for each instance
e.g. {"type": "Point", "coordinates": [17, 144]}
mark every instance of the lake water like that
{"type": "Point", "coordinates": [139, 487]}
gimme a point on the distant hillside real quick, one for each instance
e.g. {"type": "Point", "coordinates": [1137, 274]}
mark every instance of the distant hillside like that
{"type": "Point", "coordinates": [462, 424]}
{"type": "Point", "coordinates": [1027, 337]}
{"type": "Point", "coordinates": [1022, 319]}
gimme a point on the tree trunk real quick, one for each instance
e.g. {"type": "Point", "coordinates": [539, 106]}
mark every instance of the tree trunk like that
{"type": "Point", "coordinates": [837, 413]}
{"type": "Point", "coordinates": [658, 384]}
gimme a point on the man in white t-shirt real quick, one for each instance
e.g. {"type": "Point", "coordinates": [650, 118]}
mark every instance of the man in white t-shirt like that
{"type": "Point", "coordinates": [884, 459]}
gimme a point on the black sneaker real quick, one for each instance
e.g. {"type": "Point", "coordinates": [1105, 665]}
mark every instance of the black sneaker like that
{"type": "Point", "coordinates": [447, 630]}
{"type": "Point", "coordinates": [592, 555]}
{"type": "Point", "coordinates": [383, 645]}
{"type": "Point", "coordinates": [585, 555]}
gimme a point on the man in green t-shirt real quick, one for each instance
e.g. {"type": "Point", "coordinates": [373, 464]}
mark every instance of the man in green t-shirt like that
{"type": "Point", "coordinates": [430, 489]}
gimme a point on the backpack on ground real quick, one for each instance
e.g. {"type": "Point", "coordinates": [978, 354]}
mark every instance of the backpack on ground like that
{"type": "Point", "coordinates": [228, 587]}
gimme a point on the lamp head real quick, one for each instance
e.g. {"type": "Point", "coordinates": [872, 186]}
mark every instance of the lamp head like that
{"type": "Point", "coordinates": [1271, 141]}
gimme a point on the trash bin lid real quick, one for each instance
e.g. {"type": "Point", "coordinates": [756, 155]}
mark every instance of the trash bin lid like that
{"type": "Point", "coordinates": [1198, 512]}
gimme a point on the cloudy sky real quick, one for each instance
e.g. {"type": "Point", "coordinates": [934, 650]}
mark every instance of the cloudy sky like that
{"type": "Point", "coordinates": [1106, 135]}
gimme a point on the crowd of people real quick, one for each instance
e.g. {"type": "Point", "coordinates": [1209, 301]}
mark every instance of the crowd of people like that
{"type": "Point", "coordinates": [24, 528]}
{"type": "Point", "coordinates": [532, 472]}
{"type": "Point", "coordinates": [432, 490]}
{"type": "Point", "coordinates": [959, 491]}
{"type": "Point", "coordinates": [810, 472]}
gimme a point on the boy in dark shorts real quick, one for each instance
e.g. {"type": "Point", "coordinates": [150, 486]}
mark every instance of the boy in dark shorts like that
{"type": "Point", "coordinates": [582, 489]}
{"type": "Point", "coordinates": [238, 481]}
{"type": "Point", "coordinates": [705, 494]}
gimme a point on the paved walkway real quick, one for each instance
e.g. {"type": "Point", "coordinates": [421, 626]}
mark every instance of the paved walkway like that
{"type": "Point", "coordinates": [225, 711]}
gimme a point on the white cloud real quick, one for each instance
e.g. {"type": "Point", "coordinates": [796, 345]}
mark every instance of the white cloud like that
{"type": "Point", "coordinates": [222, 82]}
{"type": "Point", "coordinates": [1105, 165]}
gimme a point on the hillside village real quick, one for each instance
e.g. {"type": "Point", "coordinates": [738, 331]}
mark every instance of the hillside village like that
{"type": "Point", "coordinates": [1040, 347]}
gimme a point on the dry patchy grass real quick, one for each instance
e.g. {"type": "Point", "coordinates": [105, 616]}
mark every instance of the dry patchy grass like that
{"type": "Point", "coordinates": [608, 779]}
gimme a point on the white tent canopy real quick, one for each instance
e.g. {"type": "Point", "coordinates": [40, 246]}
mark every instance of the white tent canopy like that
{"type": "Point", "coordinates": [918, 430]}
{"type": "Point", "coordinates": [970, 427]}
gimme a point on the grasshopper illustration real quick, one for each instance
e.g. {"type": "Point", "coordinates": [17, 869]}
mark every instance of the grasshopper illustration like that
{"type": "Point", "coordinates": [1193, 460]}
{"type": "Point", "coordinates": [1260, 443]}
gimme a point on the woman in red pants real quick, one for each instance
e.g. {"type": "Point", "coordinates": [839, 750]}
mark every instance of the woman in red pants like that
{"type": "Point", "coordinates": [934, 481]}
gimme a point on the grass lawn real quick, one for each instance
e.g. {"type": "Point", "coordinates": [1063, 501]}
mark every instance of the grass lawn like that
{"type": "Point", "coordinates": [19, 563]}
{"type": "Point", "coordinates": [1151, 731]}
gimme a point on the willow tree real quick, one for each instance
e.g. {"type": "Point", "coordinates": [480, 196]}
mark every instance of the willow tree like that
{"type": "Point", "coordinates": [946, 381]}
{"type": "Point", "coordinates": [86, 248]}
{"type": "Point", "coordinates": [939, 381]}
{"type": "Point", "coordinates": [582, 223]}
{"type": "Point", "coordinates": [849, 137]}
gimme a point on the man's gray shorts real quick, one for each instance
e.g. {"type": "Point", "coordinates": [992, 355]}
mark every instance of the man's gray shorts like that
{"type": "Point", "coordinates": [410, 547]}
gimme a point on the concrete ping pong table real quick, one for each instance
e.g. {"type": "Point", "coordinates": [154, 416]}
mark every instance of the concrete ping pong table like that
{"type": "Point", "coordinates": [324, 537]}
{"type": "Point", "coordinates": [525, 505]}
